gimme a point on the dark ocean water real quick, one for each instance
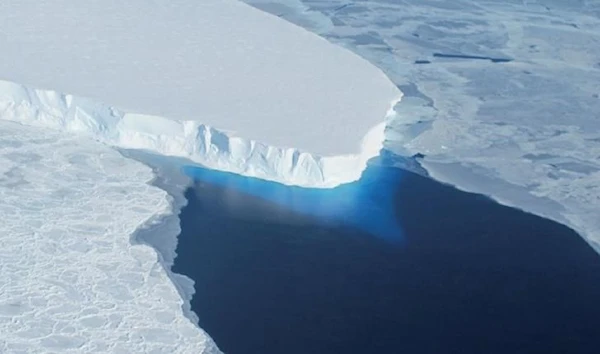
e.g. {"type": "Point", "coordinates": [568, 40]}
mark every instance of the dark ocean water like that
{"type": "Point", "coordinates": [395, 263]}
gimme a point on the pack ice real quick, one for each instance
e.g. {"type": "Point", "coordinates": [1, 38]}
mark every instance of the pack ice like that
{"type": "Point", "coordinates": [215, 81]}
{"type": "Point", "coordinates": [71, 280]}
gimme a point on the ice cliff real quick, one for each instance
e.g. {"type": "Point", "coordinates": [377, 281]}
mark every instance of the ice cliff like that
{"type": "Point", "coordinates": [237, 89]}
{"type": "Point", "coordinates": [187, 138]}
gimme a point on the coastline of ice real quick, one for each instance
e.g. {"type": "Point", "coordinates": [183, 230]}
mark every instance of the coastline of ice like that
{"type": "Point", "coordinates": [71, 279]}
{"type": "Point", "coordinates": [168, 178]}
{"type": "Point", "coordinates": [522, 129]}
{"type": "Point", "coordinates": [188, 139]}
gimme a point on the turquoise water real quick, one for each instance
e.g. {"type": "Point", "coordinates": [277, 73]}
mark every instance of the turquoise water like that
{"type": "Point", "coordinates": [366, 204]}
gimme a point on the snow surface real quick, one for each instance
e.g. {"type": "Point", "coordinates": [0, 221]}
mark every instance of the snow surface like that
{"type": "Point", "coordinates": [261, 96]}
{"type": "Point", "coordinates": [71, 279]}
{"type": "Point", "coordinates": [526, 132]}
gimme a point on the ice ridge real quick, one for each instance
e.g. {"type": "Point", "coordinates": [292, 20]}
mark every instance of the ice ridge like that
{"type": "Point", "coordinates": [189, 139]}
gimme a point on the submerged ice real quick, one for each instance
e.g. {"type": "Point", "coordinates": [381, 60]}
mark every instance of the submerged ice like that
{"type": "Point", "coordinates": [344, 205]}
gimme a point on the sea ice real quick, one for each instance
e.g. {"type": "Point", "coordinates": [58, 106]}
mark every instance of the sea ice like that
{"type": "Point", "coordinates": [216, 81]}
{"type": "Point", "coordinates": [71, 279]}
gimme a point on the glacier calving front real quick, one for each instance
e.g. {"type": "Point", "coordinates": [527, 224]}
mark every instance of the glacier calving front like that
{"type": "Point", "coordinates": [239, 89]}
{"type": "Point", "coordinates": [190, 139]}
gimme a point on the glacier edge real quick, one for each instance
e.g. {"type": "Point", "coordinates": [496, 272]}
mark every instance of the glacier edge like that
{"type": "Point", "coordinates": [189, 139]}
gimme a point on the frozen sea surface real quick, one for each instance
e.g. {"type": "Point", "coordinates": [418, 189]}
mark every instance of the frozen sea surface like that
{"type": "Point", "coordinates": [71, 279]}
{"type": "Point", "coordinates": [521, 126]}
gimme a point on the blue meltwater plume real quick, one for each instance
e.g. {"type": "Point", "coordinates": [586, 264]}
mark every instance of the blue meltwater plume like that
{"type": "Point", "coordinates": [367, 204]}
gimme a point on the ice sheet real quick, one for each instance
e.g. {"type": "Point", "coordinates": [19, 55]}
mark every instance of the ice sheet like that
{"type": "Point", "coordinates": [222, 63]}
{"type": "Point", "coordinates": [71, 280]}
{"type": "Point", "coordinates": [502, 97]}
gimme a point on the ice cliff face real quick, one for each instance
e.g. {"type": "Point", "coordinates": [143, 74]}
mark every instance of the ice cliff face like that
{"type": "Point", "coordinates": [189, 139]}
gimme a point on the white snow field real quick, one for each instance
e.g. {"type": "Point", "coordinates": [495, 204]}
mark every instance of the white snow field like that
{"type": "Point", "coordinates": [216, 81]}
{"type": "Point", "coordinates": [70, 279]}
{"type": "Point", "coordinates": [525, 132]}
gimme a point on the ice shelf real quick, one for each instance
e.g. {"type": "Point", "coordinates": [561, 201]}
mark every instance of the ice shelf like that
{"type": "Point", "coordinates": [216, 81]}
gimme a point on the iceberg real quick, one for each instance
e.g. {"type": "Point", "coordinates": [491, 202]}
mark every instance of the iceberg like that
{"type": "Point", "coordinates": [219, 82]}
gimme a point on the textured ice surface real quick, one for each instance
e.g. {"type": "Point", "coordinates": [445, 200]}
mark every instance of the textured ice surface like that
{"type": "Point", "coordinates": [522, 126]}
{"type": "Point", "coordinates": [71, 280]}
{"type": "Point", "coordinates": [274, 92]}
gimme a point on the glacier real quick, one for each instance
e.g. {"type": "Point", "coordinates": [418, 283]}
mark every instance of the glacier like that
{"type": "Point", "coordinates": [247, 91]}
{"type": "Point", "coordinates": [522, 128]}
